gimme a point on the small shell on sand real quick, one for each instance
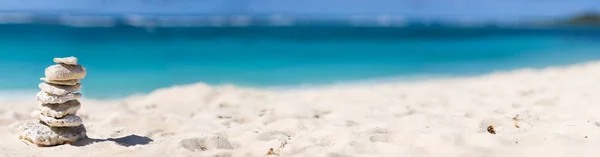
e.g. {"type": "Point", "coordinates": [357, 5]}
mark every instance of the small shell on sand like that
{"type": "Point", "coordinates": [65, 72]}
{"type": "Point", "coordinates": [43, 135]}
{"type": "Point", "coordinates": [67, 60]}
{"type": "Point", "coordinates": [60, 82]}
{"type": "Point", "coordinates": [46, 98]}
{"type": "Point", "coordinates": [67, 121]}
{"type": "Point", "coordinates": [59, 89]}
{"type": "Point", "coordinates": [59, 110]}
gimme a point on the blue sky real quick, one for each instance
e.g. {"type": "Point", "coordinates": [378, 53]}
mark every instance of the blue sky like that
{"type": "Point", "coordinates": [438, 8]}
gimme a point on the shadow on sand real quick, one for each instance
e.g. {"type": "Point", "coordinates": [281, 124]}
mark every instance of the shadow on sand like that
{"type": "Point", "coordinates": [129, 140]}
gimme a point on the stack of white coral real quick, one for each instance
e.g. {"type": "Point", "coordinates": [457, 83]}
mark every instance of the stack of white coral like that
{"type": "Point", "coordinates": [57, 107]}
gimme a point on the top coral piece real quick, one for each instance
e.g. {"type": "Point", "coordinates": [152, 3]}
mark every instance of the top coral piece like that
{"type": "Point", "coordinates": [67, 60]}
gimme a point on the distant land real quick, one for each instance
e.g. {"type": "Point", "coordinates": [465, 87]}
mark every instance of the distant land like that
{"type": "Point", "coordinates": [585, 19]}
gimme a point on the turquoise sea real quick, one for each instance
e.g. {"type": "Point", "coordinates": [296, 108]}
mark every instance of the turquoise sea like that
{"type": "Point", "coordinates": [123, 60]}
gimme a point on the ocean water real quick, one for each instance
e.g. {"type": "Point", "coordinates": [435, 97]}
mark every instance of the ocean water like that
{"type": "Point", "coordinates": [125, 60]}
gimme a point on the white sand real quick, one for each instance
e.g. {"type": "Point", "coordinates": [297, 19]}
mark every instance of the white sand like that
{"type": "Point", "coordinates": [558, 115]}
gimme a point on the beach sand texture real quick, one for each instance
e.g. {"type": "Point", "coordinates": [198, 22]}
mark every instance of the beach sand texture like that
{"type": "Point", "coordinates": [552, 112]}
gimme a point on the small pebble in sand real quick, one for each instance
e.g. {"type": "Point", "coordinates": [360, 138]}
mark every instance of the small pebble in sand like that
{"type": "Point", "coordinates": [272, 152]}
{"type": "Point", "coordinates": [491, 130]}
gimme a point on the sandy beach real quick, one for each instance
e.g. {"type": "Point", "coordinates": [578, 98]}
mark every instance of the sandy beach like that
{"type": "Point", "coordinates": [551, 112]}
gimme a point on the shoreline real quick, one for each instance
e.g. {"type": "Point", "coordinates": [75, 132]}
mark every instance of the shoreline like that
{"type": "Point", "coordinates": [26, 94]}
{"type": "Point", "coordinates": [20, 94]}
